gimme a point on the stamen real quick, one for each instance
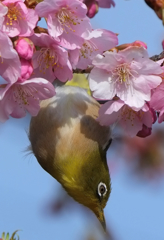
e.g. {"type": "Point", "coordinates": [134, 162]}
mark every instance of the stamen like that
{"type": "Point", "coordinates": [87, 49]}
{"type": "Point", "coordinates": [122, 75]}
{"type": "Point", "coordinates": [67, 18]}
{"type": "Point", "coordinates": [47, 59]}
{"type": "Point", "coordinates": [22, 94]}
{"type": "Point", "coordinates": [14, 14]}
{"type": "Point", "coordinates": [128, 114]}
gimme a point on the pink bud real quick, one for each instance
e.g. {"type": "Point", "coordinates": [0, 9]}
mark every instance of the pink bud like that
{"type": "Point", "coordinates": [136, 43]}
{"type": "Point", "coordinates": [25, 48]}
{"type": "Point", "coordinates": [139, 44]}
{"type": "Point", "coordinates": [92, 9]}
{"type": "Point", "coordinates": [26, 69]}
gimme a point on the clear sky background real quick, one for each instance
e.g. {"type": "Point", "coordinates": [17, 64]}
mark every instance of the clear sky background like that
{"type": "Point", "coordinates": [135, 210]}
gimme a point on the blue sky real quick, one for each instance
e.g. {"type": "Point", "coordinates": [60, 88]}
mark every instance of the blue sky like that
{"type": "Point", "coordinates": [135, 209]}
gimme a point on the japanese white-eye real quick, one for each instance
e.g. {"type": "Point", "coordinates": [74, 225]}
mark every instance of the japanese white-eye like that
{"type": "Point", "coordinates": [71, 145]}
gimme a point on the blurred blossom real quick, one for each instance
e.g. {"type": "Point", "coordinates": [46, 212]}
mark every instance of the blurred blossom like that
{"type": "Point", "coordinates": [57, 204]}
{"type": "Point", "coordinates": [144, 156]}
{"type": "Point", "coordinates": [61, 203]}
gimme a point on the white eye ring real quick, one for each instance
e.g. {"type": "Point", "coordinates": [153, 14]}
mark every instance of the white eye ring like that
{"type": "Point", "coordinates": [102, 189]}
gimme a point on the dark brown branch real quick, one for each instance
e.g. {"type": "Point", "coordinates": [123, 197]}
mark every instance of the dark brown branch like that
{"type": "Point", "coordinates": [120, 47]}
{"type": "Point", "coordinates": [88, 70]}
{"type": "Point", "coordinates": [157, 57]}
{"type": "Point", "coordinates": [40, 30]}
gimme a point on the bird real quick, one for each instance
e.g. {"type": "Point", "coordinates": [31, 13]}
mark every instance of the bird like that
{"type": "Point", "coordinates": [71, 145]}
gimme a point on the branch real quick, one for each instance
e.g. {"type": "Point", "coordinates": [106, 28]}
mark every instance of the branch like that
{"type": "Point", "coordinates": [157, 57]}
{"type": "Point", "coordinates": [120, 47]}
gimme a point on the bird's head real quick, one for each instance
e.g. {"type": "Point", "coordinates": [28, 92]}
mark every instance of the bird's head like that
{"type": "Point", "coordinates": [85, 176]}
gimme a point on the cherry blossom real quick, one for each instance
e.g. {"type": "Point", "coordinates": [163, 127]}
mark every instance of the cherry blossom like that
{"type": "Point", "coordinates": [51, 61]}
{"type": "Point", "coordinates": [19, 19]}
{"type": "Point", "coordinates": [66, 20]}
{"type": "Point", "coordinates": [128, 74]}
{"type": "Point", "coordinates": [24, 96]}
{"type": "Point", "coordinates": [10, 67]}
{"type": "Point", "coordinates": [95, 42]}
{"type": "Point", "coordinates": [131, 121]}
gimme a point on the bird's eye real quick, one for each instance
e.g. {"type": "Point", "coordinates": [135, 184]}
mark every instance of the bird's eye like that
{"type": "Point", "coordinates": [102, 189]}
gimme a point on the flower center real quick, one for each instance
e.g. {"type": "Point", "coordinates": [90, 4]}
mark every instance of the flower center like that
{"type": "Point", "coordinates": [14, 14]}
{"type": "Point", "coordinates": [21, 94]}
{"type": "Point", "coordinates": [67, 18]}
{"type": "Point", "coordinates": [46, 59]}
{"type": "Point", "coordinates": [128, 114]}
{"type": "Point", "coordinates": [87, 49]}
{"type": "Point", "coordinates": [122, 73]}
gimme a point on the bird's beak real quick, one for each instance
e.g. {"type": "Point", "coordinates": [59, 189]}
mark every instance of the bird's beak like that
{"type": "Point", "coordinates": [101, 218]}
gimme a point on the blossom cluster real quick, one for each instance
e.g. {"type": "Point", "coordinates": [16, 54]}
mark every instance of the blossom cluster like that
{"type": "Point", "coordinates": [129, 82]}
{"type": "Point", "coordinates": [32, 58]}
{"type": "Point", "coordinates": [30, 61]}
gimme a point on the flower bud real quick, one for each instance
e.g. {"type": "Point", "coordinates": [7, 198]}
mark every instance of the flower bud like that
{"type": "Point", "coordinates": [139, 44]}
{"type": "Point", "coordinates": [93, 8]}
{"type": "Point", "coordinates": [135, 43]}
{"type": "Point", "coordinates": [26, 69]}
{"type": "Point", "coordinates": [25, 48]}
